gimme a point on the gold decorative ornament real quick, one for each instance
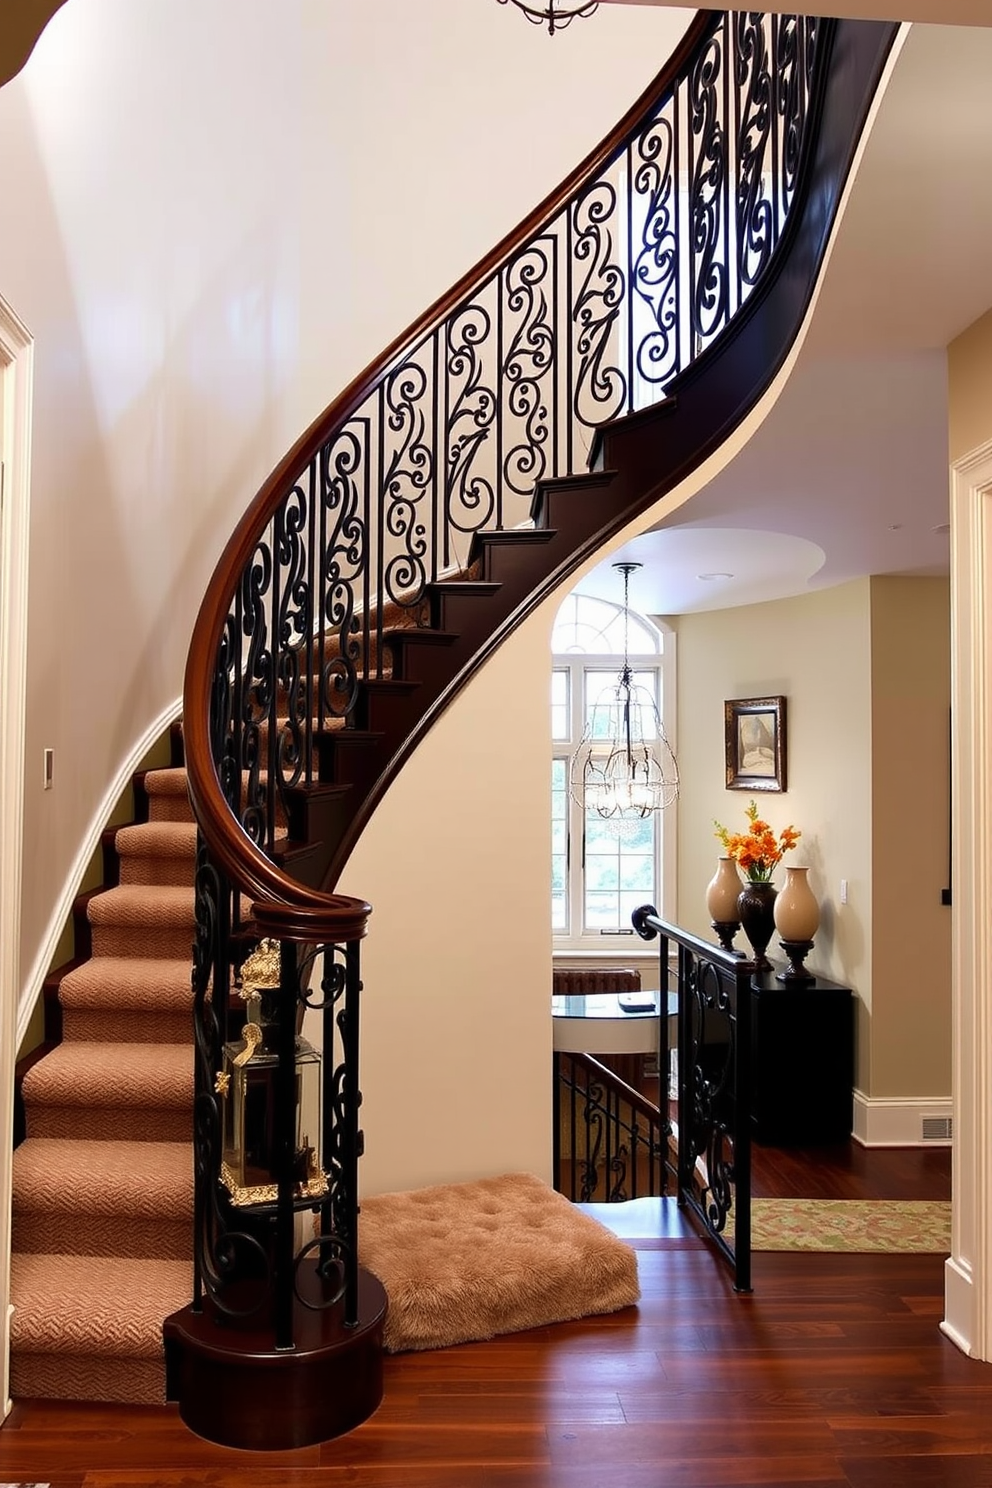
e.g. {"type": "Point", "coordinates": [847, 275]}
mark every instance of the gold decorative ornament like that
{"type": "Point", "coordinates": [314, 1186]}
{"type": "Point", "coordinates": [261, 971]}
{"type": "Point", "coordinates": [252, 1035]}
{"type": "Point", "coordinates": [223, 1083]}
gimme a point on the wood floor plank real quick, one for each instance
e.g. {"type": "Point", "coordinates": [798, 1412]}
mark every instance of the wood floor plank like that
{"type": "Point", "coordinates": [903, 1436]}
{"type": "Point", "coordinates": [468, 1445]}
{"type": "Point", "coordinates": [918, 1472]}
{"type": "Point", "coordinates": [613, 1446]}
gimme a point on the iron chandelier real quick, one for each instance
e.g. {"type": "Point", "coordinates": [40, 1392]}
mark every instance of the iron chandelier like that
{"type": "Point", "coordinates": [557, 13]}
{"type": "Point", "coordinates": [624, 767]}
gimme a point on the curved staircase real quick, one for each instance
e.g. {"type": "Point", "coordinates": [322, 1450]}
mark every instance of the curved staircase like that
{"type": "Point", "coordinates": [643, 308]}
{"type": "Point", "coordinates": [102, 1221]}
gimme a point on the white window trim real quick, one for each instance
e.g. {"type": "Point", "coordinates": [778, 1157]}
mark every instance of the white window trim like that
{"type": "Point", "coordinates": [623, 945]}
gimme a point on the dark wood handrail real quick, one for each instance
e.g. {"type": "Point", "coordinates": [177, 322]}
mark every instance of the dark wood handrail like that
{"type": "Point", "coordinates": [233, 850]}
{"type": "Point", "coordinates": [619, 1086]}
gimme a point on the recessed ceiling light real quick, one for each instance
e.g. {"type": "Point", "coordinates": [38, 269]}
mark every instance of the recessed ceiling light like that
{"type": "Point", "coordinates": [709, 577]}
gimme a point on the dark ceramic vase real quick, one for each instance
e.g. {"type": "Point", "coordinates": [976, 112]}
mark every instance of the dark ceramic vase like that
{"type": "Point", "coordinates": [756, 908]}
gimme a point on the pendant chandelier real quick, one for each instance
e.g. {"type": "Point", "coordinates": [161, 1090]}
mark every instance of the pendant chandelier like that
{"type": "Point", "coordinates": [557, 13]}
{"type": "Point", "coordinates": [624, 768]}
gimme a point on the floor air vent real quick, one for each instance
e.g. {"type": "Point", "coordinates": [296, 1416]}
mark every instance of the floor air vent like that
{"type": "Point", "coordinates": [937, 1128]}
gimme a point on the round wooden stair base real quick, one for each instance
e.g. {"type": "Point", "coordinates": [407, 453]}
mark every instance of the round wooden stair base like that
{"type": "Point", "coordinates": [234, 1389]}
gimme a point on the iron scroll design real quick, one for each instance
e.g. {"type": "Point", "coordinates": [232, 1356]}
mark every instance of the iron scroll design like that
{"type": "Point", "coordinates": [611, 297]}
{"type": "Point", "coordinates": [610, 1143]}
{"type": "Point", "coordinates": [714, 1087]}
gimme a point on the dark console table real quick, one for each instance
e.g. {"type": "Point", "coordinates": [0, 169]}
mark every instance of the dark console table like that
{"type": "Point", "coordinates": [802, 1069]}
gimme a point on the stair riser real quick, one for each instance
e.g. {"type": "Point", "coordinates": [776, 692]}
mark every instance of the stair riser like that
{"type": "Point", "coordinates": [422, 663]}
{"type": "Point", "coordinates": [581, 512]}
{"type": "Point", "coordinates": [156, 944]}
{"type": "Point", "coordinates": [160, 872]}
{"type": "Point", "coordinates": [169, 809]}
{"type": "Point", "coordinates": [109, 1124]}
{"type": "Point", "coordinates": [102, 1235]}
{"type": "Point", "coordinates": [458, 610]}
{"type": "Point", "coordinates": [62, 1376]}
{"type": "Point", "coordinates": [99, 1026]}
{"type": "Point", "coordinates": [342, 763]}
{"type": "Point", "coordinates": [515, 562]}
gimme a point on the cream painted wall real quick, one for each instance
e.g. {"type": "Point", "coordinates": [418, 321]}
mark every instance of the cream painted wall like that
{"type": "Point", "coordinates": [813, 650]}
{"type": "Point", "coordinates": [969, 379]}
{"type": "Point", "coordinates": [911, 929]}
{"type": "Point", "coordinates": [211, 222]}
{"type": "Point", "coordinates": [456, 1025]}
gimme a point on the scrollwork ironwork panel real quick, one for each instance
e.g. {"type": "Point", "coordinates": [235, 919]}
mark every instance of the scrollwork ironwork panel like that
{"type": "Point", "coordinates": [231, 1266]}
{"type": "Point", "coordinates": [610, 1145]}
{"type": "Point", "coordinates": [591, 318]}
{"type": "Point", "coordinates": [714, 1094]}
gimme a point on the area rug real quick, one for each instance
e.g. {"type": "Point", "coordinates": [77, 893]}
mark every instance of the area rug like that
{"type": "Point", "coordinates": [850, 1225]}
{"type": "Point", "coordinates": [467, 1261]}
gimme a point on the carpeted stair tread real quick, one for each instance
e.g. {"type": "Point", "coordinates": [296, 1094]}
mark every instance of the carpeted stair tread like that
{"type": "Point", "coordinates": [127, 1076]}
{"type": "Point", "coordinates": [130, 984]}
{"type": "Point", "coordinates": [163, 916]}
{"type": "Point", "coordinates": [153, 1180]}
{"type": "Point", "coordinates": [157, 853]}
{"type": "Point", "coordinates": [136, 906]}
{"type": "Point", "coordinates": [94, 1305]}
{"type": "Point", "coordinates": [169, 839]}
{"type": "Point", "coordinates": [168, 795]}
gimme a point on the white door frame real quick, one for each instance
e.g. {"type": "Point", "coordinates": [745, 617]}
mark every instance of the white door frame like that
{"type": "Point", "coordinates": [16, 369]}
{"type": "Point", "coordinates": [968, 1271]}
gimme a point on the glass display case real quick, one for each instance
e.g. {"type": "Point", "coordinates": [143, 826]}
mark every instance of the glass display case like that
{"type": "Point", "coordinates": [248, 1082]}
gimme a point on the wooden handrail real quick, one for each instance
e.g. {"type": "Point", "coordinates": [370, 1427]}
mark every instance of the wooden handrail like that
{"type": "Point", "coordinates": [619, 1086]}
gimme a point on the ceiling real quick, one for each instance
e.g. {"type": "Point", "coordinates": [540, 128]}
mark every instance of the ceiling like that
{"type": "Point", "coordinates": [848, 475]}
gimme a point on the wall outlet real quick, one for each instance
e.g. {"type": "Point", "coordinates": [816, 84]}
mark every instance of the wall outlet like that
{"type": "Point", "coordinates": [843, 891]}
{"type": "Point", "coordinates": [48, 769]}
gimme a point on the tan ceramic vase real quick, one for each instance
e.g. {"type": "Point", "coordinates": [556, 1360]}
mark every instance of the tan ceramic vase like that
{"type": "Point", "coordinates": [797, 914]}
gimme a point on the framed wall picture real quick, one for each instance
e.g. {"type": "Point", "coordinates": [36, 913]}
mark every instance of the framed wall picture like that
{"type": "Point", "coordinates": [754, 732]}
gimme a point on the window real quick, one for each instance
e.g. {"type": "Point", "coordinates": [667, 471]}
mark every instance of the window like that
{"type": "Point", "coordinates": [601, 870]}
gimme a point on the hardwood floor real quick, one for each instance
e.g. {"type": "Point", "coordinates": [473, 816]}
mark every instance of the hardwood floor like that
{"type": "Point", "coordinates": [833, 1372]}
{"type": "Point", "coordinates": [849, 1171]}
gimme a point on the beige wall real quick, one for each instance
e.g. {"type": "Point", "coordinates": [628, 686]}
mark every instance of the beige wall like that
{"type": "Point", "coordinates": [813, 650]}
{"type": "Point", "coordinates": [840, 656]}
{"type": "Point", "coordinates": [456, 1025]}
{"type": "Point", "coordinates": [911, 929]}
{"type": "Point", "coordinates": [209, 223]}
{"type": "Point", "coordinates": [969, 381]}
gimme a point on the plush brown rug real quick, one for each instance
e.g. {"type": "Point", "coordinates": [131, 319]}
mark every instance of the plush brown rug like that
{"type": "Point", "coordinates": [466, 1261]}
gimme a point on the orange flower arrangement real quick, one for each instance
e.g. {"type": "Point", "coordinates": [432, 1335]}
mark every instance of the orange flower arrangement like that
{"type": "Point", "coordinates": [758, 851]}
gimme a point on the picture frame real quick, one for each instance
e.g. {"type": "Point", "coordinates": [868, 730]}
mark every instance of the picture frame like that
{"type": "Point", "coordinates": [755, 742]}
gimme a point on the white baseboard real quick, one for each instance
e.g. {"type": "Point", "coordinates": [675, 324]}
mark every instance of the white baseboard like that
{"type": "Point", "coordinates": [32, 988]}
{"type": "Point", "coordinates": [910, 1122]}
{"type": "Point", "coordinates": [959, 1304]}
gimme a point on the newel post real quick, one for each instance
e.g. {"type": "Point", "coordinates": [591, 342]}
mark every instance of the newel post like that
{"type": "Point", "coordinates": [281, 1345]}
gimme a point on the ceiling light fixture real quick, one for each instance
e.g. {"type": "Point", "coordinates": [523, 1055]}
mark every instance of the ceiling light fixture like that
{"type": "Point", "coordinates": [557, 14]}
{"type": "Point", "coordinates": [624, 767]}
